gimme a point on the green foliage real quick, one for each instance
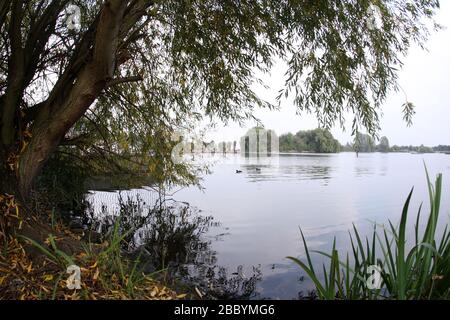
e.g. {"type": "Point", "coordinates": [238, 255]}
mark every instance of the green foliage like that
{"type": "Point", "coordinates": [53, 254]}
{"type": "Point", "coordinates": [107, 271]}
{"type": "Point", "coordinates": [441, 148]}
{"type": "Point", "coordinates": [417, 271]}
{"type": "Point", "coordinates": [364, 143]}
{"type": "Point", "coordinates": [318, 141]}
{"type": "Point", "coordinates": [383, 146]}
{"type": "Point", "coordinates": [200, 58]}
{"type": "Point", "coordinates": [413, 149]}
{"type": "Point", "coordinates": [62, 183]}
{"type": "Point", "coordinates": [348, 147]}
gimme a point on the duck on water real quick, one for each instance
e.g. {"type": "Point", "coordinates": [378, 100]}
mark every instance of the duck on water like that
{"type": "Point", "coordinates": [257, 170]}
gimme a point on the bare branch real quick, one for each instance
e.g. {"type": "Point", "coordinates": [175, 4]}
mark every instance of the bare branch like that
{"type": "Point", "coordinates": [117, 81]}
{"type": "Point", "coordinates": [135, 11]}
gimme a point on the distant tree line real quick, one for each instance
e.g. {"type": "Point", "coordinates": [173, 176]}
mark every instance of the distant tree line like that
{"type": "Point", "coordinates": [441, 148]}
{"type": "Point", "coordinates": [317, 141]}
{"type": "Point", "coordinates": [418, 149]}
{"type": "Point", "coordinates": [365, 143]}
{"type": "Point", "coordinates": [322, 141]}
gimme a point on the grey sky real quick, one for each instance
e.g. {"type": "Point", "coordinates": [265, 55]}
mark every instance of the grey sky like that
{"type": "Point", "coordinates": [424, 78]}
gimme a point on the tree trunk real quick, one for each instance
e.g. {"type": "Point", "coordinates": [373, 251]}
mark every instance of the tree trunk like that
{"type": "Point", "coordinates": [8, 179]}
{"type": "Point", "coordinates": [8, 186]}
{"type": "Point", "coordinates": [65, 106]}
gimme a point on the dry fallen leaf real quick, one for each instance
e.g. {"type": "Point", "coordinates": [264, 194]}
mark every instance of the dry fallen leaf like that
{"type": "Point", "coordinates": [47, 277]}
{"type": "Point", "coordinates": [96, 274]}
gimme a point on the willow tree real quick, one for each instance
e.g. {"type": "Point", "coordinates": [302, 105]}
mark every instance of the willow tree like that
{"type": "Point", "coordinates": [136, 70]}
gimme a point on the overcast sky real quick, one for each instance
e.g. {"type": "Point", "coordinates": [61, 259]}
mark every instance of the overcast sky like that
{"type": "Point", "coordinates": [425, 79]}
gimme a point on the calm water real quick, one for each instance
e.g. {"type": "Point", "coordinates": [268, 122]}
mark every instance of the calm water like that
{"type": "Point", "coordinates": [260, 211]}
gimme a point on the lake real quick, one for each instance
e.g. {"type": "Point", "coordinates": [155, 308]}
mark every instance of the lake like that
{"type": "Point", "coordinates": [260, 210]}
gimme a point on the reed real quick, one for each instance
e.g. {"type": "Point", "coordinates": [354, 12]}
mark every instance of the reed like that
{"type": "Point", "coordinates": [417, 271]}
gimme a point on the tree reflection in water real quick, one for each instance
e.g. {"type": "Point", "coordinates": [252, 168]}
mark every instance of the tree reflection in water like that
{"type": "Point", "coordinates": [173, 240]}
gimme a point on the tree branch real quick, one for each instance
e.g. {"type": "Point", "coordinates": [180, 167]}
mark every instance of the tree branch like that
{"type": "Point", "coordinates": [135, 11]}
{"type": "Point", "coordinates": [70, 104]}
{"type": "Point", "coordinates": [117, 81]}
{"type": "Point", "coordinates": [39, 35]}
{"type": "Point", "coordinates": [16, 73]}
{"type": "Point", "coordinates": [4, 8]}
